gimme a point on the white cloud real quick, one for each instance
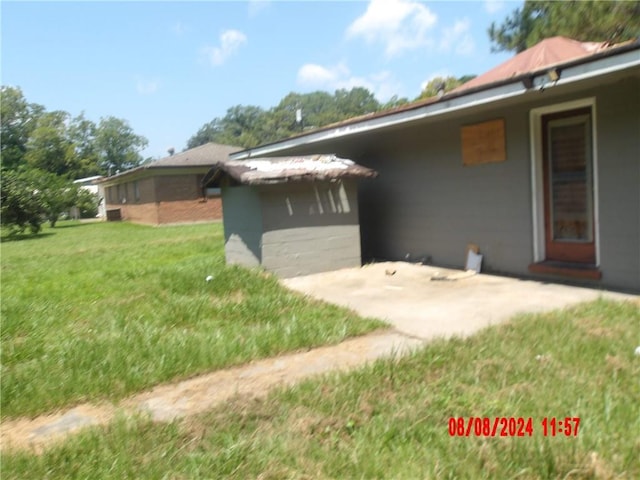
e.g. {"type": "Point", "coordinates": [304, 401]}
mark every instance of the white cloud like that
{"type": "Point", "coordinates": [457, 38]}
{"type": "Point", "coordinates": [399, 25]}
{"type": "Point", "coordinates": [145, 86]}
{"type": "Point", "coordinates": [312, 74]}
{"type": "Point", "coordinates": [494, 6]}
{"type": "Point", "coordinates": [230, 43]}
{"type": "Point", "coordinates": [382, 84]}
{"type": "Point", "coordinates": [257, 6]}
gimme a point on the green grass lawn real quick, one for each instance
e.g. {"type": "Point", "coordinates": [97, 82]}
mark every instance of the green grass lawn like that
{"type": "Point", "coordinates": [390, 419]}
{"type": "Point", "coordinates": [94, 311]}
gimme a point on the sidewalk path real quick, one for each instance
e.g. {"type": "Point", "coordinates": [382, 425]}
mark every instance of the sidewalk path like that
{"type": "Point", "coordinates": [171, 401]}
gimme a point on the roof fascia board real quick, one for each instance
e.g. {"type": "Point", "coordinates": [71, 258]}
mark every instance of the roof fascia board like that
{"type": "Point", "coordinates": [140, 173]}
{"type": "Point", "coordinates": [570, 74]}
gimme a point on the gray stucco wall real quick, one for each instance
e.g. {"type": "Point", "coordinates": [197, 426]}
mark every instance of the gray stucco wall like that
{"type": "Point", "coordinates": [425, 203]}
{"type": "Point", "coordinates": [310, 227]}
{"type": "Point", "coordinates": [242, 218]}
{"type": "Point", "coordinates": [292, 229]}
{"type": "Point", "coordinates": [618, 116]}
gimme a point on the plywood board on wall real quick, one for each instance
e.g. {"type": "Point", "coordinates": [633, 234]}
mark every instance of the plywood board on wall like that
{"type": "Point", "coordinates": [483, 143]}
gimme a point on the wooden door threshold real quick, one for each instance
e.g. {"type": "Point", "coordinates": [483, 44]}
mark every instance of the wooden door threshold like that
{"type": "Point", "coordinates": [567, 269]}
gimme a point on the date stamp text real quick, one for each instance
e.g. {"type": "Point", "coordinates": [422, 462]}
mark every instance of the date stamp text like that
{"type": "Point", "coordinates": [513, 426]}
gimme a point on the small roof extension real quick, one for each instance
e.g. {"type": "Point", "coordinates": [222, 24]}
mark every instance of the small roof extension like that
{"type": "Point", "coordinates": [274, 170]}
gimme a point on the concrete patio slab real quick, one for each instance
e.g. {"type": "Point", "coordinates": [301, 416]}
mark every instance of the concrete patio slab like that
{"type": "Point", "coordinates": [407, 296]}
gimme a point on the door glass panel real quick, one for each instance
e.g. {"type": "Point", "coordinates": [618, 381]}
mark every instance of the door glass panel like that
{"type": "Point", "coordinates": [570, 179]}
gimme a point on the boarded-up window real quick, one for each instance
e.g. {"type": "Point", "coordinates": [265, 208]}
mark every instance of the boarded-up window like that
{"type": "Point", "coordinates": [483, 143]}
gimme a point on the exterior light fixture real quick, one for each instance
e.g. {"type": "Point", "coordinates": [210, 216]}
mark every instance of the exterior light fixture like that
{"type": "Point", "coordinates": [553, 74]}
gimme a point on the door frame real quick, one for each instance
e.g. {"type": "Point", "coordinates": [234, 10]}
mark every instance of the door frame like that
{"type": "Point", "coordinates": [537, 177]}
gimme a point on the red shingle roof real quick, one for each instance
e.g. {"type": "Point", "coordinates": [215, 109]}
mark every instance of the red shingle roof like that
{"type": "Point", "coordinates": [548, 52]}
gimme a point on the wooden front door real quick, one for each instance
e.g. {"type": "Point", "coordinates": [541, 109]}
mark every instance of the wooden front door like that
{"type": "Point", "coordinates": [568, 186]}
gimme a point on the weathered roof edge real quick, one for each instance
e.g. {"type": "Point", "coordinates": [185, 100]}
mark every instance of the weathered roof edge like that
{"type": "Point", "coordinates": [244, 172]}
{"type": "Point", "coordinates": [467, 98]}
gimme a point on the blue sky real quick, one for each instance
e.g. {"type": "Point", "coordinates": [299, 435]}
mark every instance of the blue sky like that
{"type": "Point", "coordinates": [169, 67]}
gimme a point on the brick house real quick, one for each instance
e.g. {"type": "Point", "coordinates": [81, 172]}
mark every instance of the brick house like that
{"type": "Point", "coordinates": [167, 190]}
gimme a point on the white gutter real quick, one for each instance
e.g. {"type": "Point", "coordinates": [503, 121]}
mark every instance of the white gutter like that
{"type": "Point", "coordinates": [569, 74]}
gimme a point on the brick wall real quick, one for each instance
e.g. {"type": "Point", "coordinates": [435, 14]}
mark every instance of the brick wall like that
{"type": "Point", "coordinates": [146, 213]}
{"type": "Point", "coordinates": [165, 199]}
{"type": "Point", "coordinates": [184, 211]}
{"type": "Point", "coordinates": [177, 187]}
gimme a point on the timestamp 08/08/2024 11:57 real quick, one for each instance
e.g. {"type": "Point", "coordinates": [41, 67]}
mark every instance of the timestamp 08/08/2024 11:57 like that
{"type": "Point", "coordinates": [513, 426]}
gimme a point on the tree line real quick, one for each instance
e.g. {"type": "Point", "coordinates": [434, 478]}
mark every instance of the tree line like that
{"type": "Point", "coordinates": [55, 142]}
{"type": "Point", "coordinates": [249, 125]}
{"type": "Point", "coordinates": [42, 152]}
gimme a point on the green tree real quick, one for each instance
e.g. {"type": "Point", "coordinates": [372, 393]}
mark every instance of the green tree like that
{"type": "Point", "coordinates": [18, 118]}
{"type": "Point", "coordinates": [612, 21]}
{"type": "Point", "coordinates": [209, 132]}
{"type": "Point", "coordinates": [48, 147]}
{"type": "Point", "coordinates": [316, 109]}
{"type": "Point", "coordinates": [242, 125]}
{"type": "Point", "coordinates": [21, 206]}
{"type": "Point", "coordinates": [248, 126]}
{"type": "Point", "coordinates": [87, 203]}
{"type": "Point", "coordinates": [82, 135]}
{"type": "Point", "coordinates": [57, 195]}
{"type": "Point", "coordinates": [355, 102]}
{"type": "Point", "coordinates": [117, 146]}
